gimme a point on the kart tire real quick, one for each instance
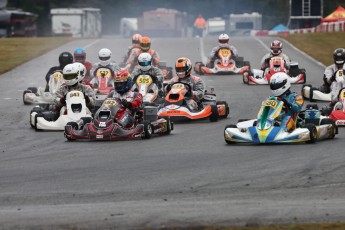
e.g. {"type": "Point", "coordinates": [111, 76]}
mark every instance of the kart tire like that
{"type": "Point", "coordinates": [245, 77]}
{"type": "Point", "coordinates": [312, 132]}
{"type": "Point", "coordinates": [86, 120]}
{"type": "Point", "coordinates": [227, 109]}
{"type": "Point", "coordinates": [312, 106]}
{"type": "Point", "coordinates": [36, 109]}
{"type": "Point", "coordinates": [214, 113]}
{"type": "Point", "coordinates": [37, 116]}
{"type": "Point", "coordinates": [329, 121]}
{"type": "Point", "coordinates": [147, 130]}
{"type": "Point", "coordinates": [25, 92]}
{"type": "Point", "coordinates": [326, 110]}
{"type": "Point", "coordinates": [169, 126]}
{"type": "Point", "coordinates": [32, 89]}
{"type": "Point", "coordinates": [73, 124]}
{"type": "Point", "coordinates": [229, 126]}
{"type": "Point", "coordinates": [246, 63]}
{"type": "Point", "coordinates": [304, 74]}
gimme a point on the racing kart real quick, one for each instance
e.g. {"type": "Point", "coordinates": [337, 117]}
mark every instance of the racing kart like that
{"type": "Point", "coordinates": [102, 84]}
{"type": "Point", "coordinates": [147, 87]}
{"type": "Point", "coordinates": [48, 119]}
{"type": "Point", "coordinates": [315, 94]}
{"type": "Point", "coordinates": [111, 122]}
{"type": "Point", "coordinates": [266, 129]}
{"type": "Point", "coordinates": [337, 112]}
{"type": "Point", "coordinates": [176, 106]}
{"type": "Point", "coordinates": [34, 95]}
{"type": "Point", "coordinates": [226, 63]}
{"type": "Point", "coordinates": [276, 64]}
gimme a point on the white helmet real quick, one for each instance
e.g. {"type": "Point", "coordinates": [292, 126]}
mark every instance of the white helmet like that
{"type": "Point", "coordinates": [223, 40]}
{"type": "Point", "coordinates": [71, 73]}
{"type": "Point", "coordinates": [82, 71]}
{"type": "Point", "coordinates": [104, 55]}
{"type": "Point", "coordinates": [144, 61]}
{"type": "Point", "coordinates": [279, 84]}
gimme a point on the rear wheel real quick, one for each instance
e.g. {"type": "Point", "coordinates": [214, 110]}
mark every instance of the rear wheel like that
{"type": "Point", "coordinates": [328, 121]}
{"type": "Point", "coordinates": [169, 126]}
{"type": "Point", "coordinates": [227, 109]}
{"type": "Point", "coordinates": [214, 113]}
{"type": "Point", "coordinates": [229, 126]}
{"type": "Point", "coordinates": [73, 124]}
{"type": "Point", "coordinates": [312, 132]}
{"type": "Point", "coordinates": [33, 89]}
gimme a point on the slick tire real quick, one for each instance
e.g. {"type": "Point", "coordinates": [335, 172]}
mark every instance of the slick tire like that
{"type": "Point", "coordinates": [32, 89]}
{"type": "Point", "coordinates": [312, 133]}
{"type": "Point", "coordinates": [170, 126]}
{"type": "Point", "coordinates": [214, 113]}
{"type": "Point", "coordinates": [147, 130]}
{"type": "Point", "coordinates": [328, 121]}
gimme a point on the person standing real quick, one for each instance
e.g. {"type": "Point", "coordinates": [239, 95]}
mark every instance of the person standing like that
{"type": "Point", "coordinates": [199, 25]}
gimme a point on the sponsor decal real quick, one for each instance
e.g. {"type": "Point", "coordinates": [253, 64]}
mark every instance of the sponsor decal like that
{"type": "Point", "coordinates": [340, 122]}
{"type": "Point", "coordinates": [99, 136]}
{"type": "Point", "coordinates": [173, 112]}
{"type": "Point", "coordinates": [102, 124]}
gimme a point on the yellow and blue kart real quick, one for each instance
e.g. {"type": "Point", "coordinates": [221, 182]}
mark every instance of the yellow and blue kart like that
{"type": "Point", "coordinates": [266, 128]}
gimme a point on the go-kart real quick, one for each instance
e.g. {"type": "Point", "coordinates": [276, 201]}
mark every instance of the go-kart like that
{"type": "Point", "coordinates": [176, 106]}
{"type": "Point", "coordinates": [316, 94]}
{"type": "Point", "coordinates": [276, 64]}
{"type": "Point", "coordinates": [146, 85]}
{"type": "Point", "coordinates": [48, 119]}
{"type": "Point", "coordinates": [226, 63]}
{"type": "Point", "coordinates": [102, 84]}
{"type": "Point", "coordinates": [337, 112]}
{"type": "Point", "coordinates": [113, 121]}
{"type": "Point", "coordinates": [266, 129]}
{"type": "Point", "coordinates": [34, 95]}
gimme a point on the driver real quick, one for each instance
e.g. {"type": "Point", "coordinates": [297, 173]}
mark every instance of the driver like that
{"type": "Point", "coordinates": [135, 45]}
{"type": "Point", "coordinates": [145, 68]}
{"type": "Point", "coordinates": [223, 41]}
{"type": "Point", "coordinates": [329, 74]}
{"type": "Point", "coordinates": [276, 51]}
{"type": "Point", "coordinates": [280, 87]}
{"type": "Point", "coordinates": [64, 59]}
{"type": "Point", "coordinates": [129, 99]}
{"type": "Point", "coordinates": [80, 56]}
{"type": "Point", "coordinates": [183, 68]}
{"type": "Point", "coordinates": [73, 75]}
{"type": "Point", "coordinates": [104, 56]}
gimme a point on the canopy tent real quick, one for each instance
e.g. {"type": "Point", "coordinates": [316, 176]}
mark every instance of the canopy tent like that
{"type": "Point", "coordinates": [279, 28]}
{"type": "Point", "coordinates": [337, 15]}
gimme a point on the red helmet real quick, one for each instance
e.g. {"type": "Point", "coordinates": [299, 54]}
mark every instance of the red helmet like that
{"type": "Point", "coordinates": [276, 47]}
{"type": "Point", "coordinates": [136, 39]}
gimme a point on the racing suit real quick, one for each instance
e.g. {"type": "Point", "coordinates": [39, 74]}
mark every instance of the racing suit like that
{"type": "Point", "coordinates": [198, 90]}
{"type": "Point", "coordinates": [153, 71]}
{"type": "Point", "coordinates": [60, 95]}
{"type": "Point", "coordinates": [266, 59]}
{"type": "Point", "coordinates": [129, 51]}
{"type": "Point", "coordinates": [214, 54]}
{"type": "Point", "coordinates": [135, 100]}
{"type": "Point", "coordinates": [329, 77]}
{"type": "Point", "coordinates": [133, 58]}
{"type": "Point", "coordinates": [112, 66]}
{"type": "Point", "coordinates": [293, 103]}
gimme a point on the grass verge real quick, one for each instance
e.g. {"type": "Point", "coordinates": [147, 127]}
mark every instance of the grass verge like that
{"type": "Point", "coordinates": [16, 51]}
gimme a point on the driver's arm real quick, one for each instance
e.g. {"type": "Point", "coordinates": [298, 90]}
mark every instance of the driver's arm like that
{"type": "Point", "coordinates": [296, 103]}
{"type": "Point", "coordinates": [199, 88]}
{"type": "Point", "coordinates": [87, 90]}
{"type": "Point", "coordinates": [137, 101]}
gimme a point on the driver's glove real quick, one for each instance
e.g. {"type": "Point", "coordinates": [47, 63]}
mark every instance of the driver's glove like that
{"type": "Point", "coordinates": [126, 103]}
{"type": "Point", "coordinates": [63, 100]}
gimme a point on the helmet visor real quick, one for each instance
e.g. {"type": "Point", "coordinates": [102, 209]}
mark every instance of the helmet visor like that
{"type": "Point", "coordinates": [79, 58]}
{"type": "Point", "coordinates": [119, 85]}
{"type": "Point", "coordinates": [145, 63]}
{"type": "Point", "coordinates": [276, 50]}
{"type": "Point", "coordinates": [70, 76]}
{"type": "Point", "coordinates": [223, 41]}
{"type": "Point", "coordinates": [145, 46]}
{"type": "Point", "coordinates": [275, 86]}
{"type": "Point", "coordinates": [104, 58]}
{"type": "Point", "coordinates": [181, 69]}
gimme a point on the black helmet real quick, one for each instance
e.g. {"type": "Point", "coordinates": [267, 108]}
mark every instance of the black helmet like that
{"type": "Point", "coordinates": [339, 56]}
{"type": "Point", "coordinates": [65, 58]}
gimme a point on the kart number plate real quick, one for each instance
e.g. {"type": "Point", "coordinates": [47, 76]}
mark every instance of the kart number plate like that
{"type": "Point", "coordinates": [271, 103]}
{"type": "Point", "coordinates": [178, 86]}
{"type": "Point", "coordinates": [224, 52]}
{"type": "Point", "coordinates": [110, 103]}
{"type": "Point", "coordinates": [144, 80]}
{"type": "Point", "coordinates": [102, 72]}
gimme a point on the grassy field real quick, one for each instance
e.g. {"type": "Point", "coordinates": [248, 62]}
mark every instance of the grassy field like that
{"type": "Point", "coordinates": [15, 51]}
{"type": "Point", "coordinates": [318, 45]}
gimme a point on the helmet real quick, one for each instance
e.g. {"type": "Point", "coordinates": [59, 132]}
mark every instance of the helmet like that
{"type": "Point", "coordinates": [276, 47]}
{"type": "Point", "coordinates": [82, 71]}
{"type": "Point", "coordinates": [104, 55]}
{"type": "Point", "coordinates": [71, 73]}
{"type": "Point", "coordinates": [145, 44]}
{"type": "Point", "coordinates": [223, 40]}
{"type": "Point", "coordinates": [339, 57]}
{"type": "Point", "coordinates": [144, 61]}
{"type": "Point", "coordinates": [136, 39]}
{"type": "Point", "coordinates": [183, 67]}
{"type": "Point", "coordinates": [122, 81]}
{"type": "Point", "coordinates": [79, 55]}
{"type": "Point", "coordinates": [65, 58]}
{"type": "Point", "coordinates": [279, 84]}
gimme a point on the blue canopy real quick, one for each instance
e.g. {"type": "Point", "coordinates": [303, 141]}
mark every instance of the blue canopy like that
{"type": "Point", "coordinates": [280, 27]}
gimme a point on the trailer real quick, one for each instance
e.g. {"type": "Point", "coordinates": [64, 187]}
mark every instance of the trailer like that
{"type": "Point", "coordinates": [76, 22]}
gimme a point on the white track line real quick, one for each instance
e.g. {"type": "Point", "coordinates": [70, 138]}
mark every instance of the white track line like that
{"type": "Point", "coordinates": [91, 44]}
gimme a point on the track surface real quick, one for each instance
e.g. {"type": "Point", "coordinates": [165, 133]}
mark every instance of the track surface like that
{"type": "Point", "coordinates": [190, 178]}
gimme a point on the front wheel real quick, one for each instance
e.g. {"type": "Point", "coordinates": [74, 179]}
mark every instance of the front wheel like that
{"type": "Point", "coordinates": [147, 130]}
{"type": "Point", "coordinates": [214, 113]}
{"type": "Point", "coordinates": [312, 132]}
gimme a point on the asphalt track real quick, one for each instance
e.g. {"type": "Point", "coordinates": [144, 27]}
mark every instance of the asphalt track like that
{"type": "Point", "coordinates": [190, 178]}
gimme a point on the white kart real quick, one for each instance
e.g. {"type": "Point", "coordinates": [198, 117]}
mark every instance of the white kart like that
{"type": "Point", "coordinates": [35, 95]}
{"type": "Point", "coordinates": [50, 120]}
